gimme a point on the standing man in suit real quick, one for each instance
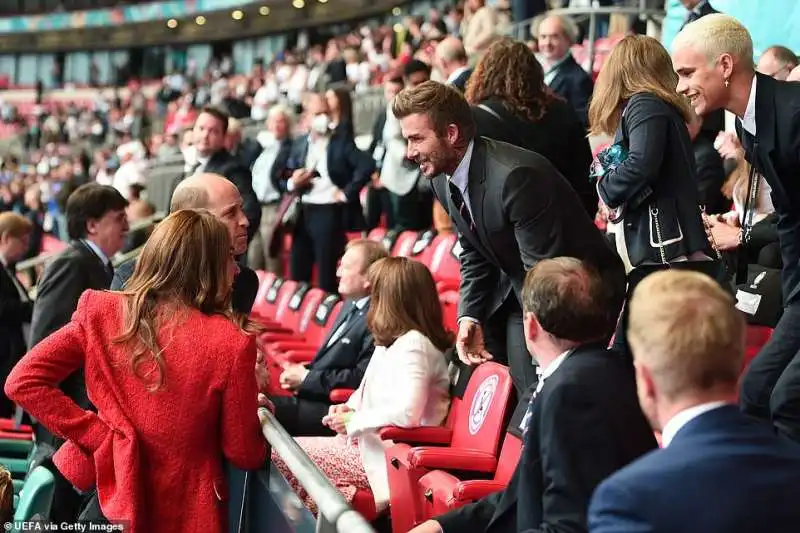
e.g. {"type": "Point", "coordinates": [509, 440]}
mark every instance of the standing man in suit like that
{"type": "Point", "coordinates": [556, 34]}
{"type": "Point", "coordinates": [211, 157]}
{"type": "Point", "coordinates": [267, 169]}
{"type": "Point", "coordinates": [451, 60]}
{"type": "Point", "coordinates": [583, 422]}
{"type": "Point", "coordinates": [378, 197]}
{"type": "Point", "coordinates": [16, 307]}
{"type": "Point", "coordinates": [697, 9]}
{"type": "Point", "coordinates": [688, 347]}
{"type": "Point", "coordinates": [328, 170]}
{"type": "Point", "coordinates": [714, 61]}
{"type": "Point", "coordinates": [217, 194]}
{"type": "Point", "coordinates": [343, 356]}
{"type": "Point", "coordinates": [511, 208]}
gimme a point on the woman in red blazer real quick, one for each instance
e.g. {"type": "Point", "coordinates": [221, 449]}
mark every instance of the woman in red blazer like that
{"type": "Point", "coordinates": [170, 370]}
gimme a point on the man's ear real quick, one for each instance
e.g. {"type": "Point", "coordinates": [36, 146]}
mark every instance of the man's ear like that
{"type": "Point", "coordinates": [645, 381]}
{"type": "Point", "coordinates": [91, 226]}
{"type": "Point", "coordinates": [452, 134]}
{"type": "Point", "coordinates": [531, 326]}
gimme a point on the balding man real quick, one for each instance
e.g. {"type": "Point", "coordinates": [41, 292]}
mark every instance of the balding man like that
{"type": "Point", "coordinates": [222, 198]}
{"type": "Point", "coordinates": [713, 57]}
{"type": "Point", "coordinates": [555, 35]}
{"type": "Point", "coordinates": [451, 60]}
{"type": "Point", "coordinates": [719, 471]}
{"type": "Point", "coordinates": [777, 62]}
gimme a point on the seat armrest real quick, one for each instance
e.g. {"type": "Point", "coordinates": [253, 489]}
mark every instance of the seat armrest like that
{"type": "Point", "coordinates": [340, 395]}
{"type": "Point", "coordinates": [445, 285]}
{"type": "Point", "coordinates": [432, 435]}
{"type": "Point", "coordinates": [269, 337]}
{"type": "Point", "coordinates": [475, 489]}
{"type": "Point", "coordinates": [444, 458]}
{"type": "Point", "coordinates": [299, 356]}
{"type": "Point", "coordinates": [288, 345]}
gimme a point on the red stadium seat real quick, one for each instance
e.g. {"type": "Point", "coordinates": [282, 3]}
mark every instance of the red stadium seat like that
{"type": "Point", "coordinates": [377, 234]}
{"type": "Point", "coordinates": [756, 338]}
{"type": "Point", "coordinates": [449, 303]}
{"type": "Point", "coordinates": [472, 439]}
{"type": "Point", "coordinates": [442, 491]}
{"type": "Point", "coordinates": [270, 312]}
{"type": "Point", "coordinates": [446, 267]}
{"type": "Point", "coordinates": [52, 245]}
{"type": "Point", "coordinates": [301, 307]}
{"type": "Point", "coordinates": [424, 247]}
{"type": "Point", "coordinates": [404, 243]}
{"type": "Point", "coordinates": [262, 308]}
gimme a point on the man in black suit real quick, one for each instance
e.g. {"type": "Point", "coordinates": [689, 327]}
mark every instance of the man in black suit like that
{"type": "Point", "coordinates": [688, 347]}
{"type": "Point", "coordinates": [583, 421]}
{"type": "Point", "coordinates": [451, 60]}
{"type": "Point", "coordinates": [697, 9]}
{"type": "Point", "coordinates": [511, 208]}
{"type": "Point", "coordinates": [211, 157]}
{"type": "Point", "coordinates": [222, 198]}
{"type": "Point", "coordinates": [97, 226]}
{"type": "Point", "coordinates": [328, 171]}
{"type": "Point", "coordinates": [343, 356]}
{"type": "Point", "coordinates": [16, 307]}
{"type": "Point", "coordinates": [556, 34]}
{"type": "Point", "coordinates": [768, 126]}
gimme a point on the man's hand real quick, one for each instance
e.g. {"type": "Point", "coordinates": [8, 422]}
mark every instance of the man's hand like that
{"type": "Point", "coordinates": [728, 146]}
{"type": "Point", "coordinates": [469, 343]}
{"type": "Point", "coordinates": [301, 177]}
{"type": "Point", "coordinates": [725, 236]}
{"type": "Point", "coordinates": [292, 376]}
{"type": "Point", "coordinates": [429, 526]}
{"type": "Point", "coordinates": [376, 181]}
{"type": "Point", "coordinates": [339, 196]}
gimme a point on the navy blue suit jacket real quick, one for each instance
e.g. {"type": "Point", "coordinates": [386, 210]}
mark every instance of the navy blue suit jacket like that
{"type": "Point", "coordinates": [722, 473]}
{"type": "Point", "coordinates": [575, 85]}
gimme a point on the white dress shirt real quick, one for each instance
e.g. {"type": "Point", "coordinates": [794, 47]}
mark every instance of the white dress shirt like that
{"type": "Point", "coordinates": [405, 385]}
{"type": "Point", "coordinates": [543, 374]}
{"type": "Point", "coordinates": [262, 170]}
{"type": "Point", "coordinates": [323, 191]}
{"type": "Point", "coordinates": [460, 177]}
{"type": "Point", "coordinates": [396, 176]}
{"type": "Point", "coordinates": [677, 422]}
{"type": "Point", "coordinates": [749, 117]}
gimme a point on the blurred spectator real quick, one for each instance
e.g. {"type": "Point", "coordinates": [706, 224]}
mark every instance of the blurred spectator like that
{"type": "Point", "coordinates": [710, 169]}
{"type": "Point", "coordinates": [137, 211]}
{"type": "Point", "coordinates": [777, 62]}
{"type": "Point", "coordinates": [481, 27]}
{"type": "Point", "coordinates": [455, 16]}
{"type": "Point", "coordinates": [556, 34]}
{"type": "Point", "coordinates": [246, 150]}
{"type": "Point", "coordinates": [131, 169]}
{"type": "Point", "coordinates": [697, 9]}
{"type": "Point", "coordinates": [36, 213]}
{"type": "Point", "coordinates": [451, 60]}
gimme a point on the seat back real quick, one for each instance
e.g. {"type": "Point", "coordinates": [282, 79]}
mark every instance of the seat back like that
{"type": "Point", "coordinates": [508, 459]}
{"type": "Point", "coordinates": [755, 339]}
{"type": "Point", "coordinates": [283, 296]}
{"type": "Point", "coordinates": [404, 243]}
{"type": "Point", "coordinates": [322, 318]}
{"type": "Point", "coordinates": [449, 302]}
{"type": "Point", "coordinates": [424, 246]}
{"type": "Point", "coordinates": [292, 312]}
{"type": "Point", "coordinates": [262, 305]}
{"type": "Point", "coordinates": [310, 305]}
{"type": "Point", "coordinates": [479, 422]}
{"type": "Point", "coordinates": [444, 264]}
{"type": "Point", "coordinates": [36, 496]}
{"type": "Point", "coordinates": [377, 234]}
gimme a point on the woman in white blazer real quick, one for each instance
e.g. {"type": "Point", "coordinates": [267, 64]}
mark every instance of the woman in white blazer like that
{"type": "Point", "coordinates": [406, 383]}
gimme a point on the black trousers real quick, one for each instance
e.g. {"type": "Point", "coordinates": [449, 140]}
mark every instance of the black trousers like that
{"type": "Point", "coordinates": [378, 203]}
{"type": "Point", "coordinates": [770, 389]}
{"type": "Point", "coordinates": [318, 239]}
{"type": "Point", "coordinates": [67, 502]}
{"type": "Point", "coordinates": [504, 337]}
{"type": "Point", "coordinates": [412, 211]}
{"type": "Point", "coordinates": [300, 417]}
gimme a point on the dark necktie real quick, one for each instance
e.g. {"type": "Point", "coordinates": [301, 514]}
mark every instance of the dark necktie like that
{"type": "Point", "coordinates": [337, 334]}
{"type": "Point", "coordinates": [192, 170]}
{"type": "Point", "coordinates": [110, 268]}
{"type": "Point", "coordinates": [458, 200]}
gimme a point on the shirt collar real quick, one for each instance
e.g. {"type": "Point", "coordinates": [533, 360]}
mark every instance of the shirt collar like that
{"type": "Point", "coordinates": [361, 302]}
{"type": "Point", "coordinates": [749, 117]}
{"type": "Point", "coordinates": [551, 67]}
{"type": "Point", "coordinates": [97, 251]}
{"type": "Point", "coordinates": [456, 73]}
{"type": "Point", "coordinates": [699, 7]}
{"type": "Point", "coordinates": [677, 422]}
{"type": "Point", "coordinates": [460, 177]}
{"type": "Point", "coordinates": [550, 369]}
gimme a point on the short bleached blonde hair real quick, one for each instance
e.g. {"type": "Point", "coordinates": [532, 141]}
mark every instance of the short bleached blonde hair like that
{"type": "Point", "coordinates": [685, 330]}
{"type": "Point", "coordinates": [717, 34]}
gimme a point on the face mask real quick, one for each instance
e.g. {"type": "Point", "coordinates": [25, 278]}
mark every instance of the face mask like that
{"type": "Point", "coordinates": [320, 124]}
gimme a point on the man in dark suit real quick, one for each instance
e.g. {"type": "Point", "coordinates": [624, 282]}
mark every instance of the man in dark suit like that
{"type": "Point", "coordinates": [720, 471]}
{"type": "Point", "coordinates": [697, 9]}
{"type": "Point", "coordinates": [583, 421]}
{"type": "Point", "coordinates": [768, 129]}
{"type": "Point", "coordinates": [97, 226]}
{"type": "Point", "coordinates": [16, 307]}
{"type": "Point", "coordinates": [222, 198]}
{"type": "Point", "coordinates": [328, 171]}
{"type": "Point", "coordinates": [451, 59]}
{"type": "Point", "coordinates": [556, 34]}
{"type": "Point", "coordinates": [208, 136]}
{"type": "Point", "coordinates": [343, 356]}
{"type": "Point", "coordinates": [511, 208]}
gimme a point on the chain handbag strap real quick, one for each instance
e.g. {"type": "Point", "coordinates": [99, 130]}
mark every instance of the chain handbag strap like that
{"type": "Point", "coordinates": [661, 251]}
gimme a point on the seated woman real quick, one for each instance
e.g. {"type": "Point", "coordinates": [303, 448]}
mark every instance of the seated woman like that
{"type": "Point", "coordinates": [169, 368]}
{"type": "Point", "coordinates": [406, 383]}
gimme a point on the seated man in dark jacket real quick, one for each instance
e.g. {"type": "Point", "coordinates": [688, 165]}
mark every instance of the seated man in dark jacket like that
{"type": "Point", "coordinates": [344, 355]}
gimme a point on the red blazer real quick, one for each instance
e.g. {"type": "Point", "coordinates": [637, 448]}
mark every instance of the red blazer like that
{"type": "Point", "coordinates": [155, 457]}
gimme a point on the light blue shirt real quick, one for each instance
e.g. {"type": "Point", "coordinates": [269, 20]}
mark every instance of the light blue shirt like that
{"type": "Point", "coordinates": [97, 251]}
{"type": "Point", "coordinates": [460, 177]}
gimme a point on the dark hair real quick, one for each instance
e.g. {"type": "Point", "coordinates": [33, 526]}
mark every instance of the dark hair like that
{"type": "Point", "coordinates": [414, 66]}
{"type": "Point", "coordinates": [91, 202]}
{"type": "Point", "coordinates": [509, 72]}
{"type": "Point", "coordinates": [218, 114]}
{"type": "Point", "coordinates": [397, 80]}
{"type": "Point", "coordinates": [571, 300]}
{"type": "Point", "coordinates": [345, 103]}
{"type": "Point", "coordinates": [393, 313]}
{"type": "Point", "coordinates": [442, 103]}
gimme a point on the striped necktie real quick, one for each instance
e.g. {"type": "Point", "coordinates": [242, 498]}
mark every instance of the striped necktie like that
{"type": "Point", "coordinates": [458, 200]}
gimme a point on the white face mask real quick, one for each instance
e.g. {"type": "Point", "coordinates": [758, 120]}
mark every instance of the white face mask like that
{"type": "Point", "coordinates": [320, 124]}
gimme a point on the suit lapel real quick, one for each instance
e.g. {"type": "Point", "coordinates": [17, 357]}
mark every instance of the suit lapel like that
{"type": "Point", "coordinates": [94, 260]}
{"type": "Point", "coordinates": [477, 195]}
{"type": "Point", "coordinates": [764, 141]}
{"type": "Point", "coordinates": [339, 320]}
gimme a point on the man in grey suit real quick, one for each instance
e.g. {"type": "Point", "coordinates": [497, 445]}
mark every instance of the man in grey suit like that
{"type": "Point", "coordinates": [511, 208]}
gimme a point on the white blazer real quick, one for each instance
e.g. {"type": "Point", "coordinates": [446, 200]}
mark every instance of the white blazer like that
{"type": "Point", "coordinates": [405, 385]}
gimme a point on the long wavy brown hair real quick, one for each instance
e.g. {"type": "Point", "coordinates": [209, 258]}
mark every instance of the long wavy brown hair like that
{"type": "Point", "coordinates": [185, 265]}
{"type": "Point", "coordinates": [404, 298]}
{"type": "Point", "coordinates": [510, 72]}
{"type": "Point", "coordinates": [637, 64]}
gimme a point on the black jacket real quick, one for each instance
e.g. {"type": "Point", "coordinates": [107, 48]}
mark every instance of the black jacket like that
{"type": "Point", "coordinates": [656, 184]}
{"type": "Point", "coordinates": [585, 424]}
{"type": "Point", "coordinates": [14, 311]}
{"type": "Point", "coordinates": [233, 168]}
{"type": "Point", "coordinates": [575, 85]}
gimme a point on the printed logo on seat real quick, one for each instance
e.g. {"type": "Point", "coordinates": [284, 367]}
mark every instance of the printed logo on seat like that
{"type": "Point", "coordinates": [481, 403]}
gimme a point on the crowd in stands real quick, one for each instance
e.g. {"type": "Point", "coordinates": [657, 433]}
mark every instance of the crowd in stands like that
{"type": "Point", "coordinates": [591, 320]}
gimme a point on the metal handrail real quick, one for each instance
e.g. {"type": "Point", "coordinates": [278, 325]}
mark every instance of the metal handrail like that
{"type": "Point", "coordinates": [43, 258]}
{"type": "Point", "coordinates": [334, 511]}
